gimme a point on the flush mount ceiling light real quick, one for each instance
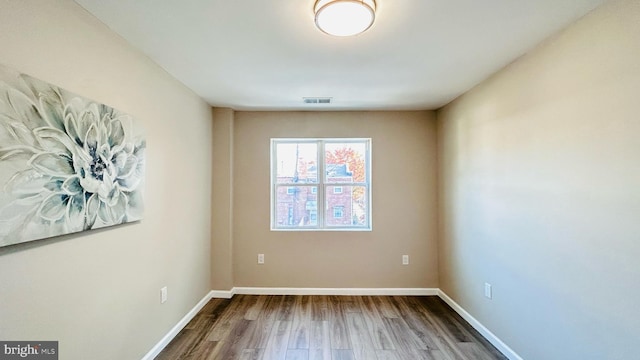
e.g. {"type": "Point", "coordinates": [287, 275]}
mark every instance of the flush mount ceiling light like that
{"type": "Point", "coordinates": [344, 17]}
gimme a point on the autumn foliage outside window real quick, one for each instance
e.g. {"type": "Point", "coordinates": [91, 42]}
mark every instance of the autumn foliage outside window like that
{"type": "Point", "coordinates": [320, 184]}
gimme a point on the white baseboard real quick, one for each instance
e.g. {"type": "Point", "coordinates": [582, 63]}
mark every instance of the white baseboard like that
{"type": "Point", "coordinates": [176, 329]}
{"type": "Point", "coordinates": [491, 337]}
{"type": "Point", "coordinates": [335, 291]}
{"type": "Point", "coordinates": [219, 294]}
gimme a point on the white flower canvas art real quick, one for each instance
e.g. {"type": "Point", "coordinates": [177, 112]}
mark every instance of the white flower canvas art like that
{"type": "Point", "coordinates": [67, 163]}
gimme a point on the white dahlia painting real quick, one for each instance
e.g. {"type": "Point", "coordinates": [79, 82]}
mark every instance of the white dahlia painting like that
{"type": "Point", "coordinates": [67, 163]}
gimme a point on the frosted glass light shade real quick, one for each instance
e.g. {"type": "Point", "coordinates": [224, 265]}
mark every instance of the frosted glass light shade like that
{"type": "Point", "coordinates": [344, 17]}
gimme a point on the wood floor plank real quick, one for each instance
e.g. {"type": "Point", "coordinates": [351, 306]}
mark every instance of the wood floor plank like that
{"type": "Point", "coordinates": [404, 341]}
{"type": "Point", "coordinates": [339, 332]}
{"type": "Point", "coordinates": [251, 354]}
{"type": "Point", "coordinates": [443, 340]}
{"type": "Point", "coordinates": [204, 316]}
{"type": "Point", "coordinates": [329, 328]}
{"type": "Point", "coordinates": [342, 354]}
{"type": "Point", "coordinates": [375, 326]}
{"type": "Point", "coordinates": [224, 324]}
{"type": "Point", "coordinates": [442, 314]}
{"type": "Point", "coordinates": [272, 308]}
{"type": "Point", "coordinates": [456, 329]}
{"type": "Point", "coordinates": [260, 335]}
{"type": "Point", "coordinates": [237, 339]}
{"type": "Point", "coordinates": [285, 312]}
{"type": "Point", "coordinates": [474, 351]}
{"type": "Point", "coordinates": [221, 330]}
{"type": "Point", "coordinates": [350, 304]}
{"type": "Point", "coordinates": [277, 345]}
{"type": "Point", "coordinates": [255, 308]}
{"type": "Point", "coordinates": [297, 354]}
{"type": "Point", "coordinates": [421, 329]}
{"type": "Point", "coordinates": [385, 307]}
{"type": "Point", "coordinates": [299, 338]}
{"type": "Point", "coordinates": [192, 336]}
{"type": "Point", "coordinates": [194, 344]}
{"type": "Point", "coordinates": [180, 345]}
{"type": "Point", "coordinates": [207, 350]}
{"type": "Point", "coordinates": [319, 308]}
{"type": "Point", "coordinates": [320, 341]}
{"type": "Point", "coordinates": [361, 343]}
{"type": "Point", "coordinates": [438, 355]}
{"type": "Point", "coordinates": [446, 313]}
{"type": "Point", "coordinates": [387, 355]}
{"type": "Point", "coordinates": [319, 354]}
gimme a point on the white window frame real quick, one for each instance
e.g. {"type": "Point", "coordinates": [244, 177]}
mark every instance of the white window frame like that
{"type": "Point", "coordinates": [322, 186]}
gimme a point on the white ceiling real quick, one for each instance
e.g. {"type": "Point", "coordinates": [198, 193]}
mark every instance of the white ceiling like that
{"type": "Point", "coordinates": [268, 55]}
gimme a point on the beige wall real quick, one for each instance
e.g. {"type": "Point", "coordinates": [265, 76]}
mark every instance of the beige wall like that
{"type": "Point", "coordinates": [98, 292]}
{"type": "Point", "coordinates": [404, 205]}
{"type": "Point", "coordinates": [540, 194]}
{"type": "Point", "coordinates": [222, 201]}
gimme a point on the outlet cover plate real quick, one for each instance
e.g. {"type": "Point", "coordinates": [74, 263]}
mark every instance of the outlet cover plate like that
{"type": "Point", "coordinates": [487, 291]}
{"type": "Point", "coordinates": [163, 295]}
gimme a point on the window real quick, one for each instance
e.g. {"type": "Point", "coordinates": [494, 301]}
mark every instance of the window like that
{"type": "Point", "coordinates": [320, 184]}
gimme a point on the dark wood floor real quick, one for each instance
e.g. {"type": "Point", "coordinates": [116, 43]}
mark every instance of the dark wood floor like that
{"type": "Point", "coordinates": [329, 328]}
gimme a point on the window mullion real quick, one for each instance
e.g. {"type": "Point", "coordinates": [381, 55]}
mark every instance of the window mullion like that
{"type": "Point", "coordinates": [321, 188]}
{"type": "Point", "coordinates": [274, 182]}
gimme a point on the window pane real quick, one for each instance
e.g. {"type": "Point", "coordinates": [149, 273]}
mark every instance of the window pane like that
{"type": "Point", "coordinates": [305, 198]}
{"type": "Point", "coordinates": [345, 162]}
{"type": "Point", "coordinates": [296, 206]}
{"type": "Point", "coordinates": [347, 208]}
{"type": "Point", "coordinates": [296, 163]}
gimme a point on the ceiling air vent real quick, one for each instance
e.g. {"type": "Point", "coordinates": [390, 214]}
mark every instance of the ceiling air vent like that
{"type": "Point", "coordinates": [316, 100]}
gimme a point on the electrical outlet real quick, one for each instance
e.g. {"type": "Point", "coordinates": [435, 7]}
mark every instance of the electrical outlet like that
{"type": "Point", "coordinates": [487, 291]}
{"type": "Point", "coordinates": [260, 258]}
{"type": "Point", "coordinates": [405, 259]}
{"type": "Point", "coordinates": [163, 295]}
